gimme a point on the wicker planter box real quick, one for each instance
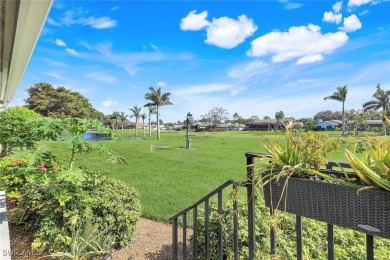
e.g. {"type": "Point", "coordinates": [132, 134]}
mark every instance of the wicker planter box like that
{"type": "Point", "coordinates": [367, 211]}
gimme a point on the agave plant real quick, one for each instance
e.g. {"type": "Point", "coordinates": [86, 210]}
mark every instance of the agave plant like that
{"type": "Point", "coordinates": [374, 168]}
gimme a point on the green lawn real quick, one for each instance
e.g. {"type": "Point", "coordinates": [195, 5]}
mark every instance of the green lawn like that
{"type": "Point", "coordinates": [169, 180]}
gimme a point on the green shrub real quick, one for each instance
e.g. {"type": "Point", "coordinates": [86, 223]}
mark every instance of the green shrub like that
{"type": "Point", "coordinates": [20, 168]}
{"type": "Point", "coordinates": [349, 244]}
{"type": "Point", "coordinates": [74, 197]}
{"type": "Point", "coordinates": [15, 130]}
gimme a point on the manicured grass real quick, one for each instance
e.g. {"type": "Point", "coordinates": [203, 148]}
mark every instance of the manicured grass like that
{"type": "Point", "coordinates": [173, 178]}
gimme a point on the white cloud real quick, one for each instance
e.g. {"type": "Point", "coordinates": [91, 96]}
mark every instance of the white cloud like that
{"type": "Point", "coordinates": [79, 16]}
{"type": "Point", "coordinates": [72, 52]}
{"type": "Point", "coordinates": [154, 47]}
{"type": "Point", "coordinates": [205, 89]}
{"type": "Point", "coordinates": [52, 62]}
{"type": "Point", "coordinates": [114, 8]}
{"type": "Point", "coordinates": [52, 22]}
{"type": "Point", "coordinates": [357, 3]}
{"type": "Point", "coordinates": [55, 75]}
{"type": "Point", "coordinates": [100, 23]}
{"type": "Point", "coordinates": [161, 84]}
{"type": "Point", "coordinates": [310, 59]}
{"type": "Point", "coordinates": [364, 12]}
{"type": "Point", "coordinates": [131, 68]}
{"type": "Point", "coordinates": [290, 6]}
{"type": "Point", "coordinates": [351, 24]}
{"type": "Point", "coordinates": [248, 70]}
{"type": "Point", "coordinates": [101, 76]}
{"type": "Point", "coordinates": [60, 43]}
{"type": "Point", "coordinates": [110, 103]}
{"type": "Point", "coordinates": [306, 43]}
{"type": "Point", "coordinates": [227, 33]}
{"type": "Point", "coordinates": [337, 7]}
{"type": "Point", "coordinates": [331, 17]}
{"type": "Point", "coordinates": [194, 21]}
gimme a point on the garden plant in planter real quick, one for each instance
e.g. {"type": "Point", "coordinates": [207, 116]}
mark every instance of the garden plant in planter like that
{"type": "Point", "coordinates": [296, 182]}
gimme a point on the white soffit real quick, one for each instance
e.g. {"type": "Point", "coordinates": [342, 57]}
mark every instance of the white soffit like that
{"type": "Point", "coordinates": [21, 22]}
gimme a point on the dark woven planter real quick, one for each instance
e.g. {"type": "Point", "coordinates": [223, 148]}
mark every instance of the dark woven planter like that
{"type": "Point", "coordinates": [367, 211]}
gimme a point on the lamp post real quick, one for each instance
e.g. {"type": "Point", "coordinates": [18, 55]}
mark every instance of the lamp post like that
{"type": "Point", "coordinates": [188, 121]}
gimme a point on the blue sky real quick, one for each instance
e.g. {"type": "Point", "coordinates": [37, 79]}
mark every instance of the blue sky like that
{"type": "Point", "coordinates": [250, 57]}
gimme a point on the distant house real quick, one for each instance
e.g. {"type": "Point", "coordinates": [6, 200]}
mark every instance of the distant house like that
{"type": "Point", "coordinates": [333, 124]}
{"type": "Point", "coordinates": [328, 125]}
{"type": "Point", "coordinates": [269, 124]}
{"type": "Point", "coordinates": [176, 127]}
{"type": "Point", "coordinates": [374, 123]}
{"type": "Point", "coordinates": [264, 125]}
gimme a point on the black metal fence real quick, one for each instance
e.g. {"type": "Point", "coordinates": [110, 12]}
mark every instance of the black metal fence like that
{"type": "Point", "coordinates": [191, 251]}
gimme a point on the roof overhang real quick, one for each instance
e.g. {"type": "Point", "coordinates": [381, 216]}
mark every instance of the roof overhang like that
{"type": "Point", "coordinates": [21, 22]}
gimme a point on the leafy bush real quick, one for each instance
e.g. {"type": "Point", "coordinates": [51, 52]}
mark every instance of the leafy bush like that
{"type": "Point", "coordinates": [74, 197]}
{"type": "Point", "coordinates": [55, 196]}
{"type": "Point", "coordinates": [27, 166]}
{"type": "Point", "coordinates": [349, 244]}
{"type": "Point", "coordinates": [15, 130]}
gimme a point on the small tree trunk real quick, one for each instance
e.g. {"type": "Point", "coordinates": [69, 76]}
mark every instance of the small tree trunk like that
{"type": "Point", "coordinates": [343, 121]}
{"type": "Point", "coordinates": [158, 124]}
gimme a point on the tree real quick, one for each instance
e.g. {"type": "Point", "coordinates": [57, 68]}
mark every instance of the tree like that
{"type": "Point", "coordinates": [279, 116]}
{"type": "Point", "coordinates": [236, 117]}
{"type": "Point", "coordinates": [381, 101]}
{"type": "Point", "coordinates": [266, 118]}
{"type": "Point", "coordinates": [115, 115]}
{"type": "Point", "coordinates": [216, 116]}
{"type": "Point", "coordinates": [122, 118]}
{"type": "Point", "coordinates": [15, 130]}
{"type": "Point", "coordinates": [157, 99]}
{"type": "Point", "coordinates": [253, 118]}
{"type": "Point", "coordinates": [151, 110]}
{"type": "Point", "coordinates": [143, 116]}
{"type": "Point", "coordinates": [59, 102]}
{"type": "Point", "coordinates": [327, 115]}
{"type": "Point", "coordinates": [136, 114]}
{"type": "Point", "coordinates": [340, 95]}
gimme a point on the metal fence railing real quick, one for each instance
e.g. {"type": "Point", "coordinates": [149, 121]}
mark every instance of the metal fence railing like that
{"type": "Point", "coordinates": [192, 212]}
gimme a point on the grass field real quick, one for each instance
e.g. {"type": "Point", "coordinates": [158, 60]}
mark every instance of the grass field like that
{"type": "Point", "coordinates": [172, 178]}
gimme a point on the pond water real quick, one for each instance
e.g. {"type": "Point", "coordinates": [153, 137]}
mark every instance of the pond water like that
{"type": "Point", "coordinates": [100, 137]}
{"type": "Point", "coordinates": [95, 136]}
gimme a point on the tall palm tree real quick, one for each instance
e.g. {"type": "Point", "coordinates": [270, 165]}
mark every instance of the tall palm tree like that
{"type": "Point", "coordinates": [115, 115]}
{"type": "Point", "coordinates": [157, 99]}
{"type": "Point", "coordinates": [381, 101]}
{"type": "Point", "coordinates": [152, 110]}
{"type": "Point", "coordinates": [143, 116]}
{"type": "Point", "coordinates": [279, 116]}
{"type": "Point", "coordinates": [136, 114]}
{"type": "Point", "coordinates": [122, 117]}
{"type": "Point", "coordinates": [340, 95]}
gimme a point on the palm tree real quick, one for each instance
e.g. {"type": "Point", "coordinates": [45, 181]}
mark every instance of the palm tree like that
{"type": "Point", "coordinates": [143, 116]}
{"type": "Point", "coordinates": [136, 113]}
{"type": "Point", "coordinates": [152, 110]}
{"type": "Point", "coordinates": [115, 115]}
{"type": "Point", "coordinates": [340, 95]}
{"type": "Point", "coordinates": [122, 117]}
{"type": "Point", "coordinates": [381, 101]}
{"type": "Point", "coordinates": [157, 99]}
{"type": "Point", "coordinates": [279, 116]}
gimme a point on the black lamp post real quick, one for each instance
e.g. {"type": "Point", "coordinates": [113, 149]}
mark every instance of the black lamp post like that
{"type": "Point", "coordinates": [188, 121]}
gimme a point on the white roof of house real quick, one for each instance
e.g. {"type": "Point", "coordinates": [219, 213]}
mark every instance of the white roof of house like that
{"type": "Point", "coordinates": [23, 22]}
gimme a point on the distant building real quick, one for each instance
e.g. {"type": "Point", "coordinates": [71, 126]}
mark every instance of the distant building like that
{"type": "Point", "coordinates": [333, 124]}
{"type": "Point", "coordinates": [269, 124]}
{"type": "Point", "coordinates": [328, 125]}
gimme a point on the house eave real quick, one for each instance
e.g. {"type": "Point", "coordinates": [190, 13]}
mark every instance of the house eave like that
{"type": "Point", "coordinates": [21, 23]}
